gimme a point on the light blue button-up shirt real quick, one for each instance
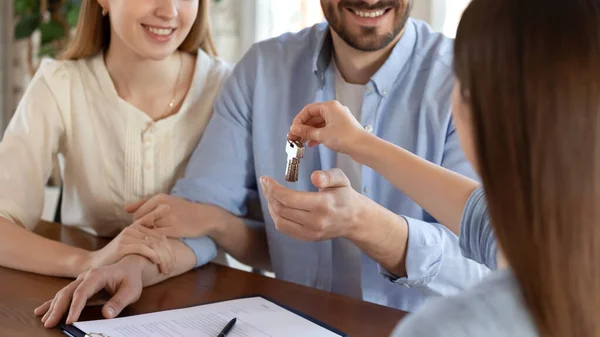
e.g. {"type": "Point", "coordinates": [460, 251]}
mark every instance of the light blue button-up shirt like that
{"type": "Point", "coordinates": [407, 102]}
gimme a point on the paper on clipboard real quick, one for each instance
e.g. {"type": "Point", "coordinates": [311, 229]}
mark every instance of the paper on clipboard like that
{"type": "Point", "coordinates": [256, 317]}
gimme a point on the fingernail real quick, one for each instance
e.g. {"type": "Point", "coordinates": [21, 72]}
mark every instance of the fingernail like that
{"type": "Point", "coordinates": [111, 312]}
{"type": "Point", "coordinates": [264, 182]}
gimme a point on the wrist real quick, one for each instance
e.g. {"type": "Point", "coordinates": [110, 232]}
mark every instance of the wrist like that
{"type": "Point", "coordinates": [139, 265]}
{"type": "Point", "coordinates": [360, 148]}
{"type": "Point", "coordinates": [80, 262]}
{"type": "Point", "coordinates": [215, 222]}
{"type": "Point", "coordinates": [363, 216]}
{"type": "Point", "coordinates": [205, 219]}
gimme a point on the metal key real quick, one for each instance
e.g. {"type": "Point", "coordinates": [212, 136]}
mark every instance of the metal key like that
{"type": "Point", "coordinates": [295, 152]}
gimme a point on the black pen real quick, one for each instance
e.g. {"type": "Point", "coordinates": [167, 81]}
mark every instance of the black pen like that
{"type": "Point", "coordinates": [227, 328]}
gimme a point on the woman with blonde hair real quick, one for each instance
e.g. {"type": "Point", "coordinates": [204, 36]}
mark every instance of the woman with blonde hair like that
{"type": "Point", "coordinates": [123, 109]}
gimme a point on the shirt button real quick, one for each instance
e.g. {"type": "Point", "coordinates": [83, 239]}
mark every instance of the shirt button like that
{"type": "Point", "coordinates": [369, 89]}
{"type": "Point", "coordinates": [366, 189]}
{"type": "Point", "coordinates": [147, 141]}
{"type": "Point", "coordinates": [384, 92]}
{"type": "Point", "coordinates": [369, 128]}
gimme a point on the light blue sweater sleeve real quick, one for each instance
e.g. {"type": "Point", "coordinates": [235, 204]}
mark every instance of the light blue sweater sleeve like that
{"type": "Point", "coordinates": [493, 308]}
{"type": "Point", "coordinates": [477, 240]}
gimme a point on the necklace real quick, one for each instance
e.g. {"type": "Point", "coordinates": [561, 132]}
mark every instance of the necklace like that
{"type": "Point", "coordinates": [172, 102]}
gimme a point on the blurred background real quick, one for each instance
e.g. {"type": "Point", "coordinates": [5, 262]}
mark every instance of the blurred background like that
{"type": "Point", "coordinates": [32, 29]}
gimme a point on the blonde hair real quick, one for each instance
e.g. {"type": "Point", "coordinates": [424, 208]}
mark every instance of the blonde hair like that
{"type": "Point", "coordinates": [92, 34]}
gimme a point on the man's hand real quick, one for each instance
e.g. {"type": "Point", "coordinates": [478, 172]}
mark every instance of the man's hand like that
{"type": "Point", "coordinates": [335, 211]}
{"type": "Point", "coordinates": [123, 280]}
{"type": "Point", "coordinates": [135, 239]}
{"type": "Point", "coordinates": [173, 216]}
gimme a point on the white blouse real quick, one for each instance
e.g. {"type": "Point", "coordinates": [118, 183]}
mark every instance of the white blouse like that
{"type": "Point", "coordinates": [111, 152]}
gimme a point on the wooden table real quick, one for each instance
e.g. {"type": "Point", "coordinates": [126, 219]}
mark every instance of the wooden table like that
{"type": "Point", "coordinates": [21, 292]}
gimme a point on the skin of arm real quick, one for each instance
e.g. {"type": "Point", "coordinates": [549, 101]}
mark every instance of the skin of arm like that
{"type": "Point", "coordinates": [245, 243]}
{"type": "Point", "coordinates": [24, 250]}
{"type": "Point", "coordinates": [177, 217]}
{"type": "Point", "coordinates": [388, 244]}
{"type": "Point", "coordinates": [439, 191]}
{"type": "Point", "coordinates": [124, 280]}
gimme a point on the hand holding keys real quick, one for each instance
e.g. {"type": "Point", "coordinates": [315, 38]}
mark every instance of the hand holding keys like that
{"type": "Point", "coordinates": [330, 124]}
{"type": "Point", "coordinates": [295, 152]}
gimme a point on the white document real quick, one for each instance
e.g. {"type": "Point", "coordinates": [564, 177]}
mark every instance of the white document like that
{"type": "Point", "coordinates": [256, 317]}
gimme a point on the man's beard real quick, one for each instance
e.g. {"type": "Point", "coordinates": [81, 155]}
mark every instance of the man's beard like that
{"type": "Point", "coordinates": [368, 39]}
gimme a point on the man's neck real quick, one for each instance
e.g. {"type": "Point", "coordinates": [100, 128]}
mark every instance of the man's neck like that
{"type": "Point", "coordinates": [132, 74]}
{"type": "Point", "coordinates": [357, 67]}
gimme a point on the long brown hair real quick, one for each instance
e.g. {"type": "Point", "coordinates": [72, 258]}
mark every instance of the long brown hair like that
{"type": "Point", "coordinates": [92, 34]}
{"type": "Point", "coordinates": [530, 72]}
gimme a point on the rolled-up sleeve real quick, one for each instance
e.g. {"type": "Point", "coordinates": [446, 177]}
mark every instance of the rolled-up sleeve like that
{"type": "Point", "coordinates": [477, 239]}
{"type": "Point", "coordinates": [434, 261]}
{"type": "Point", "coordinates": [221, 169]}
{"type": "Point", "coordinates": [204, 248]}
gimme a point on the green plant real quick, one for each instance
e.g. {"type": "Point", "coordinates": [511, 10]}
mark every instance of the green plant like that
{"type": "Point", "coordinates": [53, 18]}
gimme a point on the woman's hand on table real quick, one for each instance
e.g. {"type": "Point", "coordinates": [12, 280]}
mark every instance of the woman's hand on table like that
{"type": "Point", "coordinates": [122, 280]}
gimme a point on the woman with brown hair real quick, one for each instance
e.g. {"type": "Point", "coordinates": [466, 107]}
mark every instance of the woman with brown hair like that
{"type": "Point", "coordinates": [527, 110]}
{"type": "Point", "coordinates": [123, 109]}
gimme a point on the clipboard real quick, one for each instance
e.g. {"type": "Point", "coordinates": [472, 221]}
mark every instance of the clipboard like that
{"type": "Point", "coordinates": [72, 331]}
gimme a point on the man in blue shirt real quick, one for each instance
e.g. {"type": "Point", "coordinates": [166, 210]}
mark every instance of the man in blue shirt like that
{"type": "Point", "coordinates": [395, 74]}
{"type": "Point", "coordinates": [404, 76]}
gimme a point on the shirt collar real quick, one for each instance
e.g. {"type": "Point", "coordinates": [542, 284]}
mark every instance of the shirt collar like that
{"type": "Point", "coordinates": [388, 73]}
{"type": "Point", "coordinates": [323, 52]}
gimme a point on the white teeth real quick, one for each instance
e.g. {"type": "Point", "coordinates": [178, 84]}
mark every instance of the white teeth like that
{"type": "Point", "coordinates": [159, 31]}
{"type": "Point", "coordinates": [371, 14]}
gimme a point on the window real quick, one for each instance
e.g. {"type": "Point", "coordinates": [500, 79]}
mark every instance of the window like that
{"type": "Point", "coordinates": [454, 10]}
{"type": "Point", "coordinates": [277, 17]}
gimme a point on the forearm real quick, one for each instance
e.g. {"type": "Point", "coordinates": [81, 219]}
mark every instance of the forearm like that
{"type": "Point", "coordinates": [185, 260]}
{"type": "Point", "coordinates": [383, 236]}
{"type": "Point", "coordinates": [247, 244]}
{"type": "Point", "coordinates": [27, 251]}
{"type": "Point", "coordinates": [439, 191]}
